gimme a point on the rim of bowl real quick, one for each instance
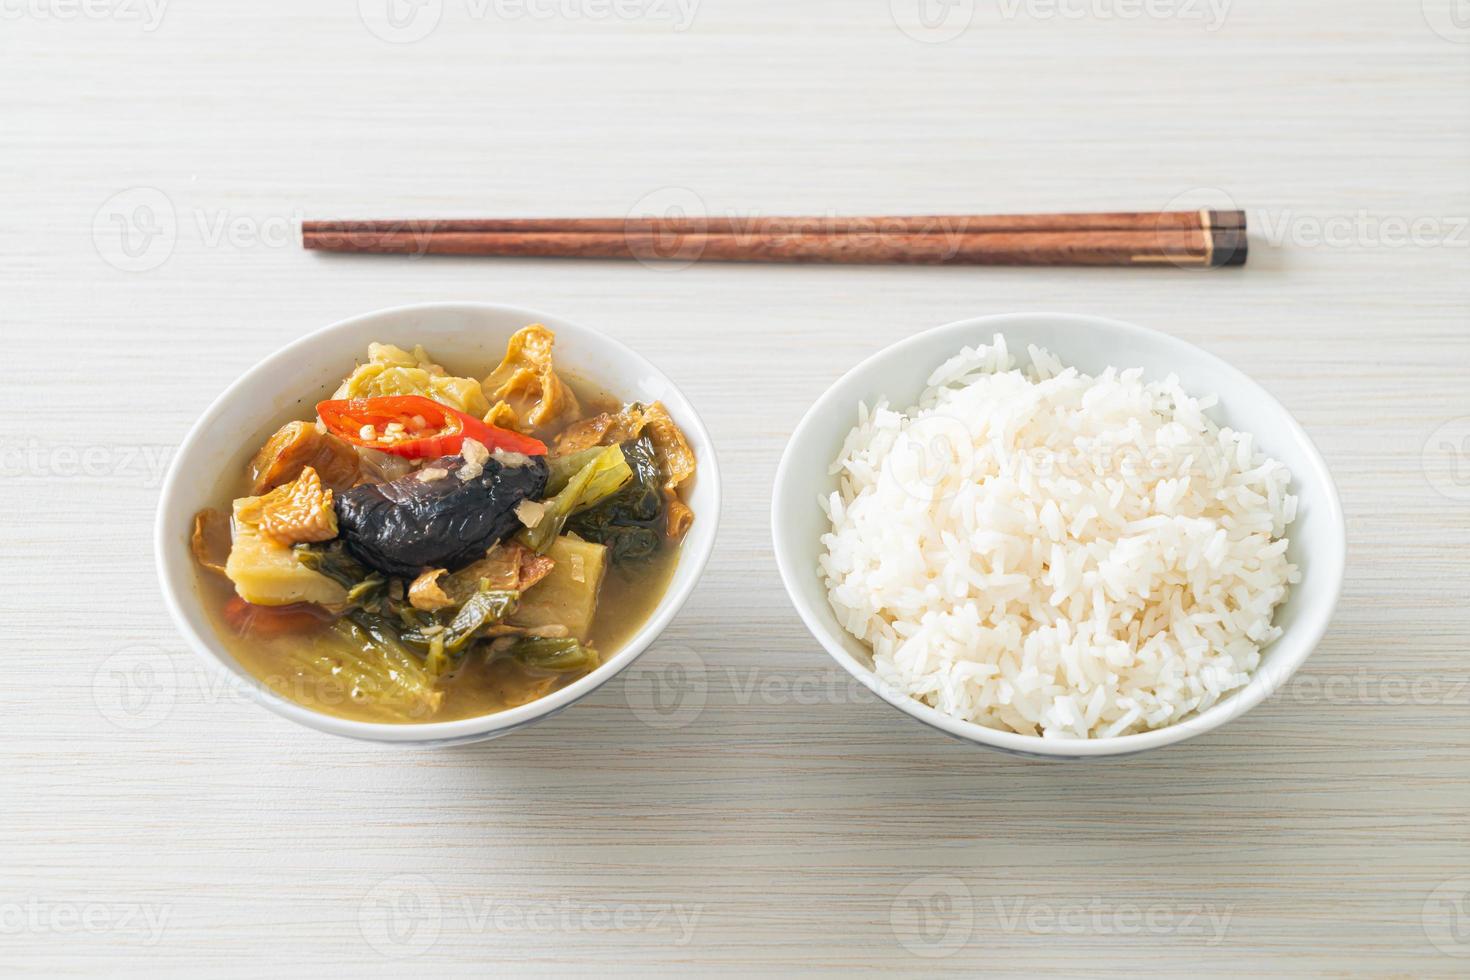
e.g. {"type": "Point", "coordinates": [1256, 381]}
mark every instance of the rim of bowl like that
{"type": "Point", "coordinates": [442, 732]}
{"type": "Point", "coordinates": [1330, 558]}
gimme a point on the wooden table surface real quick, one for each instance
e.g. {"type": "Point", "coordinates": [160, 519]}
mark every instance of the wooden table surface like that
{"type": "Point", "coordinates": [734, 804]}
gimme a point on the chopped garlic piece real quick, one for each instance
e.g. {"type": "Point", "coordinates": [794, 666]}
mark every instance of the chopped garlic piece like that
{"type": "Point", "coordinates": [511, 459]}
{"type": "Point", "coordinates": [530, 512]}
{"type": "Point", "coordinates": [475, 457]}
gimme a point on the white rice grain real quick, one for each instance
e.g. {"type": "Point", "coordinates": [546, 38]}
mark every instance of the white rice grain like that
{"type": "Point", "coordinates": [1055, 554]}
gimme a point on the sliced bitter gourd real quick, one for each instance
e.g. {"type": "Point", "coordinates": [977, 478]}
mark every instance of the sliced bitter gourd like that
{"type": "Point", "coordinates": [568, 596]}
{"type": "Point", "coordinates": [267, 572]}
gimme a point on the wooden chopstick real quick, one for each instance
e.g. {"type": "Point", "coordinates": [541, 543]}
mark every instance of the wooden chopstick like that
{"type": "Point", "coordinates": [812, 224]}
{"type": "Point", "coordinates": [1187, 238]}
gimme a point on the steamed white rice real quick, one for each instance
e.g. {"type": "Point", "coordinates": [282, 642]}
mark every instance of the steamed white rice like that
{"type": "Point", "coordinates": [1054, 554]}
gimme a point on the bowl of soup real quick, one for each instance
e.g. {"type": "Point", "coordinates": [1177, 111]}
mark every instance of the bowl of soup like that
{"type": "Point", "coordinates": [436, 523]}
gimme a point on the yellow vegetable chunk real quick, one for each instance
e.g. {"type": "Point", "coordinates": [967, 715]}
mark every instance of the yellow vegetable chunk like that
{"type": "Point", "coordinates": [527, 382]}
{"type": "Point", "coordinates": [568, 596]}
{"type": "Point", "coordinates": [266, 572]}
{"type": "Point", "coordinates": [393, 371]}
{"type": "Point", "coordinates": [295, 512]}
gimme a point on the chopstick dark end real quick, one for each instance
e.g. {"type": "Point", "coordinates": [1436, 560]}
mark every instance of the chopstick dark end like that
{"type": "Point", "coordinates": [1228, 219]}
{"type": "Point", "coordinates": [1231, 247]}
{"type": "Point", "coordinates": [1229, 239]}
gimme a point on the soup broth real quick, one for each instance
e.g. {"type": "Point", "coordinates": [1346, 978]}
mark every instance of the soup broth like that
{"type": "Point", "coordinates": [479, 686]}
{"type": "Point", "coordinates": [564, 518]}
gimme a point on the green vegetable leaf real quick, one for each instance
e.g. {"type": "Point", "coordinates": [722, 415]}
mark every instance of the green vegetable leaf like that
{"type": "Point", "coordinates": [479, 611]}
{"type": "Point", "coordinates": [558, 654]}
{"type": "Point", "coordinates": [333, 561]}
{"type": "Point", "coordinates": [632, 522]}
{"type": "Point", "coordinates": [444, 638]}
{"type": "Point", "coordinates": [563, 468]}
{"type": "Point", "coordinates": [366, 589]}
{"type": "Point", "coordinates": [597, 480]}
{"type": "Point", "coordinates": [367, 666]}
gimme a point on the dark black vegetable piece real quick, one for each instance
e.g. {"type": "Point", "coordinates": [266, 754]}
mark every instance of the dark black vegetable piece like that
{"type": "Point", "coordinates": [411, 524]}
{"type": "Point", "coordinates": [632, 522]}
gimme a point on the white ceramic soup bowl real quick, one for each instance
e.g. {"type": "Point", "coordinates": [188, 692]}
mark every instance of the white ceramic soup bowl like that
{"type": "Point", "coordinates": [1318, 536]}
{"type": "Point", "coordinates": [287, 384]}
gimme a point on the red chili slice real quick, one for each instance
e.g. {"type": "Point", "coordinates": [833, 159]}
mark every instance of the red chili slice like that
{"type": "Point", "coordinates": [428, 428]}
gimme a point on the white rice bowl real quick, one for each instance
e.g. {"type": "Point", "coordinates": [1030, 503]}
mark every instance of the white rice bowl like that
{"type": "Point", "coordinates": [1055, 554]}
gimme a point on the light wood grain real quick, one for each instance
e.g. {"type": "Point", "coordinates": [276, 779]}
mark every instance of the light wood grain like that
{"type": "Point", "coordinates": [792, 821]}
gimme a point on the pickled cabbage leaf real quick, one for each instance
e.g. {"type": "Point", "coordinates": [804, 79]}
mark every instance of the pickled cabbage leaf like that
{"type": "Point", "coordinates": [632, 522]}
{"type": "Point", "coordinates": [562, 655]}
{"type": "Point", "coordinates": [393, 371]}
{"type": "Point", "coordinates": [481, 611]}
{"type": "Point", "coordinates": [365, 589]}
{"type": "Point", "coordinates": [600, 478]}
{"type": "Point", "coordinates": [675, 457]}
{"type": "Point", "coordinates": [368, 667]}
